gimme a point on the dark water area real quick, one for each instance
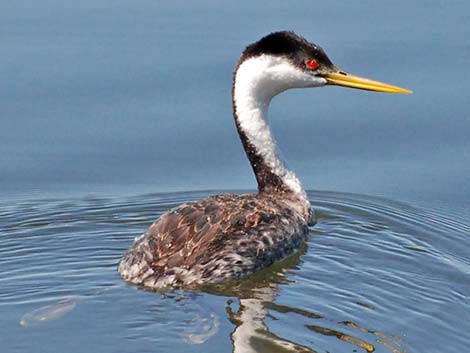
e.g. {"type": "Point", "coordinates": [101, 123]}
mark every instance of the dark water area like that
{"type": "Point", "coordinates": [113, 112]}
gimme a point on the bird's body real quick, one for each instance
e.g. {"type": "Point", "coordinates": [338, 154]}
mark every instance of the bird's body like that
{"type": "Point", "coordinates": [228, 236]}
{"type": "Point", "coordinates": [221, 237]}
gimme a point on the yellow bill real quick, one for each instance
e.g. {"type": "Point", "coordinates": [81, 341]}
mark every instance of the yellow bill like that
{"type": "Point", "coordinates": [340, 78]}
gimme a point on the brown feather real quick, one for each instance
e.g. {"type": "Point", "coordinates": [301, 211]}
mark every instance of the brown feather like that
{"type": "Point", "coordinates": [216, 238]}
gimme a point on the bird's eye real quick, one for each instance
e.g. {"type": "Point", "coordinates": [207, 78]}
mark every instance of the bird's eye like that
{"type": "Point", "coordinates": [311, 64]}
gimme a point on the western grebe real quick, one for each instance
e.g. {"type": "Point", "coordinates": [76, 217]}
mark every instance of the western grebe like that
{"type": "Point", "coordinates": [227, 236]}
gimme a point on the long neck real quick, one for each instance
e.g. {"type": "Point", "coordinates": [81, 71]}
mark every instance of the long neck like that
{"type": "Point", "coordinates": [252, 94]}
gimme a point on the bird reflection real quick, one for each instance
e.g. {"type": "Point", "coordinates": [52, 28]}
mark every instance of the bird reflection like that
{"type": "Point", "coordinates": [256, 302]}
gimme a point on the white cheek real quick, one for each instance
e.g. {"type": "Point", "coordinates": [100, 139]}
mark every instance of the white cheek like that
{"type": "Point", "coordinates": [317, 81]}
{"type": "Point", "coordinates": [287, 76]}
{"type": "Point", "coordinates": [267, 76]}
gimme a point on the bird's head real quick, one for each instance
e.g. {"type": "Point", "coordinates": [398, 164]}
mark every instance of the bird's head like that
{"type": "Point", "coordinates": [284, 60]}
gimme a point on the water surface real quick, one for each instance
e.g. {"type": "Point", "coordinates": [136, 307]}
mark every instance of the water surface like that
{"type": "Point", "coordinates": [115, 97]}
{"type": "Point", "coordinates": [375, 275]}
{"type": "Point", "coordinates": [111, 112]}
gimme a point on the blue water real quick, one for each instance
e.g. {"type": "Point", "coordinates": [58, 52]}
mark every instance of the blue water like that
{"type": "Point", "coordinates": [104, 104]}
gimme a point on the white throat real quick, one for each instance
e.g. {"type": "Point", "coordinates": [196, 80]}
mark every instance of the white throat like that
{"type": "Point", "coordinates": [257, 81]}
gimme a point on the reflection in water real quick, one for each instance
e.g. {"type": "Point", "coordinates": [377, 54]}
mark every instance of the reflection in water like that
{"type": "Point", "coordinates": [50, 312]}
{"type": "Point", "coordinates": [57, 310]}
{"type": "Point", "coordinates": [205, 327]}
{"type": "Point", "coordinates": [354, 288]}
{"type": "Point", "coordinates": [257, 301]}
{"type": "Point", "coordinates": [251, 334]}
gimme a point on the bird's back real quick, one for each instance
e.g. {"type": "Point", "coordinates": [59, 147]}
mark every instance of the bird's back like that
{"type": "Point", "coordinates": [214, 239]}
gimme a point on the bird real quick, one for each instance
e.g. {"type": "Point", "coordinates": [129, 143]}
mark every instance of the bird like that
{"type": "Point", "coordinates": [225, 237]}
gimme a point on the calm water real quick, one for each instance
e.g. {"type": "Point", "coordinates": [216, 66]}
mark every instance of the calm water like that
{"type": "Point", "coordinates": [111, 112]}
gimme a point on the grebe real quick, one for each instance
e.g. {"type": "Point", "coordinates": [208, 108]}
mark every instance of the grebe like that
{"type": "Point", "coordinates": [228, 236]}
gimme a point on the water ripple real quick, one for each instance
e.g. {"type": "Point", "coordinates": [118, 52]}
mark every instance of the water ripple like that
{"type": "Point", "coordinates": [377, 275]}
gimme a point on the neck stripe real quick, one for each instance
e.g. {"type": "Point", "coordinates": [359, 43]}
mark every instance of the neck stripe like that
{"type": "Point", "coordinates": [252, 93]}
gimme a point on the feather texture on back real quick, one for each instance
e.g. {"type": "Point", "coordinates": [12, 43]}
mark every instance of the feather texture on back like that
{"type": "Point", "coordinates": [214, 239]}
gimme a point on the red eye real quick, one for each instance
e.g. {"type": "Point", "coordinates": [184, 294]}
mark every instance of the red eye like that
{"type": "Point", "coordinates": [311, 64]}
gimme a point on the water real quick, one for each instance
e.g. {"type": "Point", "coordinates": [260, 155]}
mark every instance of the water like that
{"type": "Point", "coordinates": [376, 275]}
{"type": "Point", "coordinates": [113, 112]}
